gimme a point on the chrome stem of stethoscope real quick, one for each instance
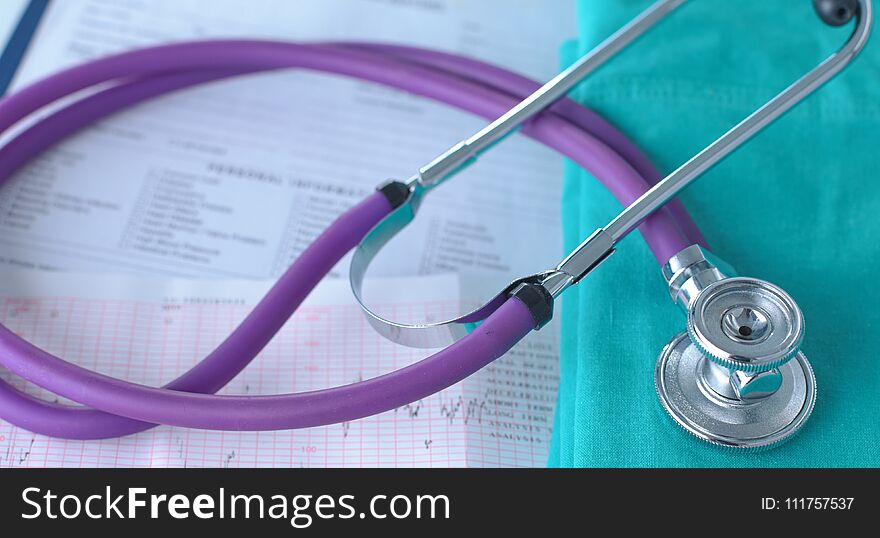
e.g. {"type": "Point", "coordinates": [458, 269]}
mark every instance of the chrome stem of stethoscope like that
{"type": "Point", "coordinates": [601, 243]}
{"type": "Point", "coordinates": [675, 182]}
{"type": "Point", "coordinates": [408, 196]}
{"type": "Point", "coordinates": [466, 151]}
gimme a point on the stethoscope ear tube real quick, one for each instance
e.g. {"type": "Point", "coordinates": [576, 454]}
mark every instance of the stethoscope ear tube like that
{"type": "Point", "coordinates": [621, 179]}
{"type": "Point", "coordinates": [684, 175]}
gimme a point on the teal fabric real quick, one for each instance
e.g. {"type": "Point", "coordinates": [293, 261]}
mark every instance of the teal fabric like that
{"type": "Point", "coordinates": [799, 206]}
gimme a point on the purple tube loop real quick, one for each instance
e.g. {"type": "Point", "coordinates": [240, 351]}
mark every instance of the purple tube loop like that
{"type": "Point", "coordinates": [126, 407]}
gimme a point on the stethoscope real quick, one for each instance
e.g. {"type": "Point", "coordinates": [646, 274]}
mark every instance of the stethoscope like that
{"type": "Point", "coordinates": [736, 377]}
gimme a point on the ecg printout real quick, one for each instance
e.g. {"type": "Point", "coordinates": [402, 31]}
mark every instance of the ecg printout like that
{"type": "Point", "coordinates": [235, 178]}
{"type": "Point", "coordinates": [502, 416]}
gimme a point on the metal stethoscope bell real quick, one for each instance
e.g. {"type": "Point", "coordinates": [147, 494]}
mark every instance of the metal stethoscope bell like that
{"type": "Point", "coordinates": [736, 377]}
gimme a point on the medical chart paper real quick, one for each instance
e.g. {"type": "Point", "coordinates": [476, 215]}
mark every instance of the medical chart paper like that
{"type": "Point", "coordinates": [232, 180]}
{"type": "Point", "coordinates": [149, 330]}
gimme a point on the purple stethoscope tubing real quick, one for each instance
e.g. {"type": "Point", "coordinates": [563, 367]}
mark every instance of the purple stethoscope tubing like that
{"type": "Point", "coordinates": [118, 407]}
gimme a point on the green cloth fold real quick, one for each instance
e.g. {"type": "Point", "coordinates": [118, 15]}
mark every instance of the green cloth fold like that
{"type": "Point", "coordinates": [799, 205]}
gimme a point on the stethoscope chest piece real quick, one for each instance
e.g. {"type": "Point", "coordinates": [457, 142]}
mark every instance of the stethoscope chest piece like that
{"type": "Point", "coordinates": [698, 396]}
{"type": "Point", "coordinates": [736, 377]}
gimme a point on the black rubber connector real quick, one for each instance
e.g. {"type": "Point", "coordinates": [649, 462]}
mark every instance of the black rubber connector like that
{"type": "Point", "coordinates": [396, 192]}
{"type": "Point", "coordinates": [836, 12]}
{"type": "Point", "coordinates": [537, 299]}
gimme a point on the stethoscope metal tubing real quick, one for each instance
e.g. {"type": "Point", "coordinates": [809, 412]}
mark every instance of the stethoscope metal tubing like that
{"type": "Point", "coordinates": [464, 152]}
{"type": "Point", "coordinates": [675, 182]}
{"type": "Point", "coordinates": [600, 245]}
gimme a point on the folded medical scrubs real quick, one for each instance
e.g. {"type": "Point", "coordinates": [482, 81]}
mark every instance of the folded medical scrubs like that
{"type": "Point", "coordinates": [799, 206]}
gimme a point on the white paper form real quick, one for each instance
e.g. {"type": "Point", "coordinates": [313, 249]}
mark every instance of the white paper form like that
{"type": "Point", "coordinates": [235, 178]}
{"type": "Point", "coordinates": [149, 330]}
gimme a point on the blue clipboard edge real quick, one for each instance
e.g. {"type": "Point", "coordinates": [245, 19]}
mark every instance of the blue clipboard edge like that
{"type": "Point", "coordinates": [19, 40]}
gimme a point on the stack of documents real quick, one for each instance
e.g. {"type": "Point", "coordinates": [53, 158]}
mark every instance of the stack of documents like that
{"type": "Point", "coordinates": [136, 245]}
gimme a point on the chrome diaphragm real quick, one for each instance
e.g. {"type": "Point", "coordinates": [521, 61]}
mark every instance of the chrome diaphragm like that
{"type": "Point", "coordinates": [736, 377]}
